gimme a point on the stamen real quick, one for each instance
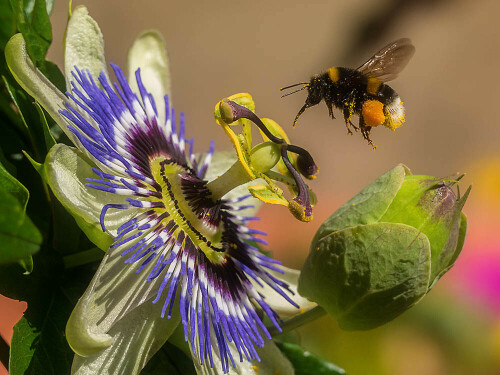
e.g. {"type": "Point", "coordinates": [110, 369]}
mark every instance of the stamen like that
{"type": "Point", "coordinates": [231, 111]}
{"type": "Point", "coordinates": [305, 162]}
{"type": "Point", "coordinates": [106, 208]}
{"type": "Point", "coordinates": [302, 197]}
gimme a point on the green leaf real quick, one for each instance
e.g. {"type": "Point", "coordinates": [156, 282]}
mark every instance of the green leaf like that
{"type": "Point", "coordinates": [367, 206]}
{"type": "Point", "coordinates": [22, 125]}
{"type": "Point", "coordinates": [19, 237]}
{"type": "Point", "coordinates": [7, 27]}
{"type": "Point", "coordinates": [31, 129]}
{"type": "Point", "coordinates": [33, 81]}
{"type": "Point", "coordinates": [367, 275]}
{"type": "Point", "coordinates": [14, 283]}
{"type": "Point", "coordinates": [49, 139]}
{"type": "Point", "coordinates": [34, 23]}
{"type": "Point", "coordinates": [38, 344]}
{"type": "Point", "coordinates": [10, 118]}
{"type": "Point", "coordinates": [27, 264]}
{"type": "Point", "coordinates": [306, 363]}
{"type": "Point", "coordinates": [54, 74]}
{"type": "Point", "coordinates": [10, 185]}
{"type": "Point", "coordinates": [37, 166]}
{"type": "Point", "coordinates": [169, 360]}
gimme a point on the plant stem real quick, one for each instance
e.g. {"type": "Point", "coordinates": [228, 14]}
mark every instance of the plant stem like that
{"type": "Point", "coordinates": [297, 321]}
{"type": "Point", "coordinates": [83, 257]}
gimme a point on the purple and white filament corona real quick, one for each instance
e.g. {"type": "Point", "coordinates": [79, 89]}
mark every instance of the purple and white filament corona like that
{"type": "Point", "coordinates": [186, 243]}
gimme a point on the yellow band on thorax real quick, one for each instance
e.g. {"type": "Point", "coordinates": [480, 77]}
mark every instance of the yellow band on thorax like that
{"type": "Point", "coordinates": [333, 73]}
{"type": "Point", "coordinates": [373, 85]}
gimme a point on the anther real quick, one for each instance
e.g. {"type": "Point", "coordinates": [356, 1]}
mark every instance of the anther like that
{"type": "Point", "coordinates": [231, 112]}
{"type": "Point", "coordinates": [305, 162]}
{"type": "Point", "coordinates": [303, 213]}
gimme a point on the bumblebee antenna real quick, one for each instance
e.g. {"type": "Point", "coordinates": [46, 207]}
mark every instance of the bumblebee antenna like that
{"type": "Point", "coordinates": [293, 92]}
{"type": "Point", "coordinates": [288, 87]}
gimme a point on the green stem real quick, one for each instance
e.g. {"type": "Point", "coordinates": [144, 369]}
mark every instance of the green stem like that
{"type": "Point", "coordinates": [83, 257]}
{"type": "Point", "coordinates": [297, 321]}
{"type": "Point", "coordinates": [233, 177]}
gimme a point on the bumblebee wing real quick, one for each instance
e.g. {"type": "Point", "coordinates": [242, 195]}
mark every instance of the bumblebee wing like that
{"type": "Point", "coordinates": [387, 63]}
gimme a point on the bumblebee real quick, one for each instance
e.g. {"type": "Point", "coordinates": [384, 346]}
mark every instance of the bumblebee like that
{"type": "Point", "coordinates": [362, 91]}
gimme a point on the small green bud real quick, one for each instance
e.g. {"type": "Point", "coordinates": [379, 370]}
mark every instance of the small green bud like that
{"type": "Point", "coordinates": [383, 250]}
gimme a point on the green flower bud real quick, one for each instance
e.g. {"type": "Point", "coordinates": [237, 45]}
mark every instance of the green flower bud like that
{"type": "Point", "coordinates": [383, 250]}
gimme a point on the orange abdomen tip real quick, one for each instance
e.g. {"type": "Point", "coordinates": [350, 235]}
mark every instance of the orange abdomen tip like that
{"type": "Point", "coordinates": [373, 113]}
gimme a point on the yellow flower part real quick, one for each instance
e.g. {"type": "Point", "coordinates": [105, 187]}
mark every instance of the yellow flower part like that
{"type": "Point", "coordinates": [257, 162]}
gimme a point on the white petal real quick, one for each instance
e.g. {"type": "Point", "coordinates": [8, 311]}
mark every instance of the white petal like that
{"type": "Point", "coordinates": [272, 362]}
{"type": "Point", "coordinates": [149, 54]}
{"type": "Point", "coordinates": [221, 162]}
{"type": "Point", "coordinates": [277, 302]}
{"type": "Point", "coordinates": [83, 46]}
{"type": "Point", "coordinates": [66, 172]}
{"type": "Point", "coordinates": [34, 82]}
{"type": "Point", "coordinates": [115, 328]}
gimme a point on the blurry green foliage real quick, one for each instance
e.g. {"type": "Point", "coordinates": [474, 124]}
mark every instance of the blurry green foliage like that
{"type": "Point", "coordinates": [32, 20]}
{"type": "Point", "coordinates": [19, 238]}
{"type": "Point", "coordinates": [306, 363]}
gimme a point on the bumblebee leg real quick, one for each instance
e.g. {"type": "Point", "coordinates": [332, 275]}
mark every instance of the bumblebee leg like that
{"type": "Point", "coordinates": [365, 131]}
{"type": "Point", "coordinates": [347, 118]}
{"type": "Point", "coordinates": [329, 104]}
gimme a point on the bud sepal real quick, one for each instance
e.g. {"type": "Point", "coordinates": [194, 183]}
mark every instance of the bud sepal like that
{"type": "Point", "coordinates": [383, 250]}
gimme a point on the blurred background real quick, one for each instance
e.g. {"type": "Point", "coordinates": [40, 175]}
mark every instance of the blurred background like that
{"type": "Point", "coordinates": [451, 91]}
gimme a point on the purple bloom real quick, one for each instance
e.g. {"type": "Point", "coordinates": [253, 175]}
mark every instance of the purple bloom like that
{"type": "Point", "coordinates": [180, 238]}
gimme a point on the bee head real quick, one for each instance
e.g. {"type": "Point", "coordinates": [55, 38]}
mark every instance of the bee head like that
{"type": "Point", "coordinates": [315, 94]}
{"type": "Point", "coordinates": [315, 91]}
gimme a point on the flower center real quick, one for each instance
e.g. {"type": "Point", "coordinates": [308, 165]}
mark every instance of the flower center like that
{"type": "Point", "coordinates": [188, 202]}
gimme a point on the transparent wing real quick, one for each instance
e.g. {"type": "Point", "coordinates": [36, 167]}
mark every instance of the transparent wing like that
{"type": "Point", "coordinates": [387, 63]}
